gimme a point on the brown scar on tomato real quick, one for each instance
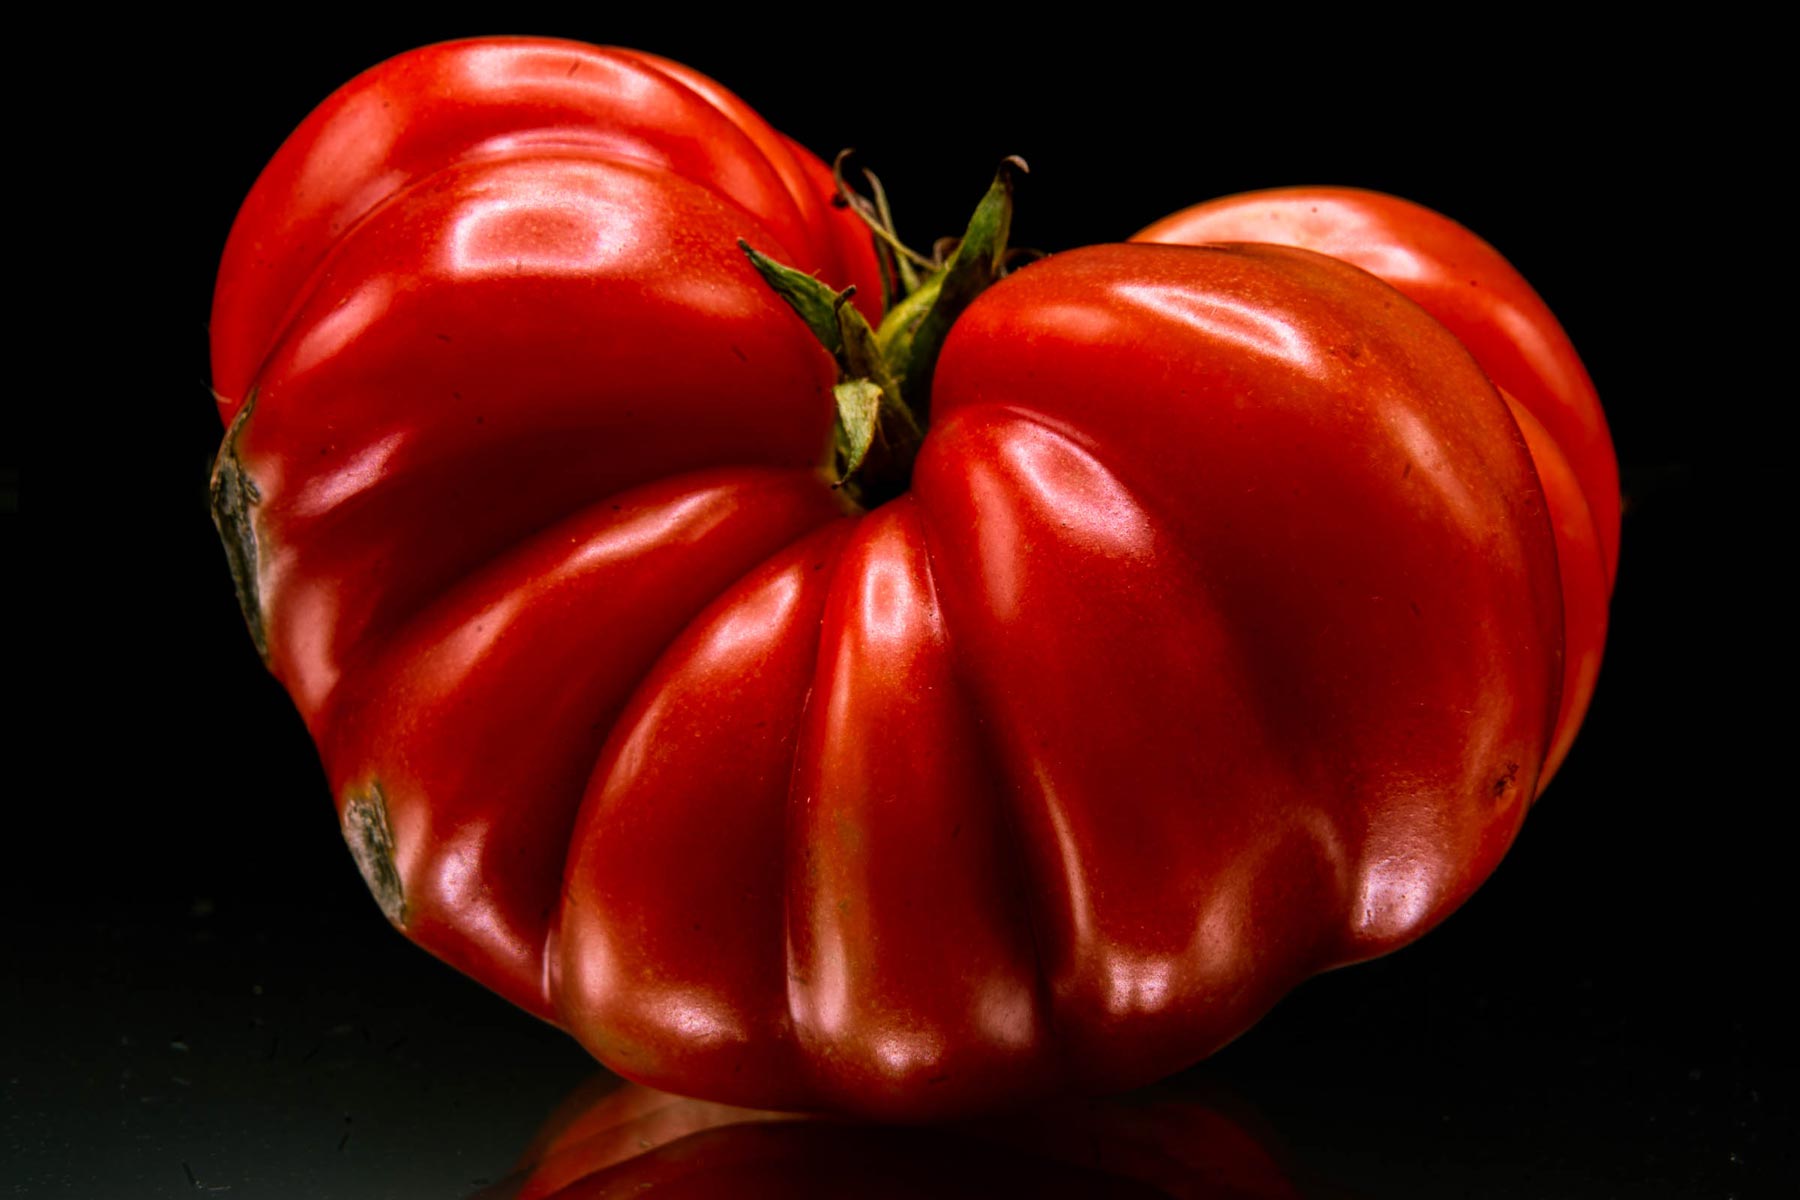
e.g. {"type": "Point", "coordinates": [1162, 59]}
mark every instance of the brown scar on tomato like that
{"type": "Point", "coordinates": [371, 842]}
{"type": "Point", "coordinates": [1506, 778]}
{"type": "Point", "coordinates": [233, 494]}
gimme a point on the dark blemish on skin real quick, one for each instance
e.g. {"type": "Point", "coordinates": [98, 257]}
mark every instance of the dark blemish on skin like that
{"type": "Point", "coordinates": [233, 495]}
{"type": "Point", "coordinates": [1414, 605]}
{"type": "Point", "coordinates": [742, 357]}
{"type": "Point", "coordinates": [937, 1079]}
{"type": "Point", "coordinates": [442, 337]}
{"type": "Point", "coordinates": [573, 67]}
{"type": "Point", "coordinates": [1407, 474]}
{"type": "Point", "coordinates": [371, 841]}
{"type": "Point", "coordinates": [1506, 778]}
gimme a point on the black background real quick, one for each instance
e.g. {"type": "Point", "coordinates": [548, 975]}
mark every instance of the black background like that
{"type": "Point", "coordinates": [204, 995]}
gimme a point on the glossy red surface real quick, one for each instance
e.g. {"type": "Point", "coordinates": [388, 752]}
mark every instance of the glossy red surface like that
{"type": "Point", "coordinates": [1478, 296]}
{"type": "Point", "coordinates": [1219, 641]}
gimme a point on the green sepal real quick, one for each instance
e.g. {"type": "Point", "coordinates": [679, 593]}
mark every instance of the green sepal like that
{"type": "Point", "coordinates": [858, 412]}
{"type": "Point", "coordinates": [877, 430]}
{"type": "Point", "coordinates": [861, 356]}
{"type": "Point", "coordinates": [899, 329]}
{"type": "Point", "coordinates": [811, 299]}
{"type": "Point", "coordinates": [978, 263]}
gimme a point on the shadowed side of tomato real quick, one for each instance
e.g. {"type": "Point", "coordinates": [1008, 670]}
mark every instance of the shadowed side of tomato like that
{"type": "Point", "coordinates": [1211, 635]}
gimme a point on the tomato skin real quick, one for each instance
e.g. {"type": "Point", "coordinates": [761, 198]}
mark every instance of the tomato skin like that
{"type": "Point", "coordinates": [1478, 296]}
{"type": "Point", "coordinates": [1219, 641]}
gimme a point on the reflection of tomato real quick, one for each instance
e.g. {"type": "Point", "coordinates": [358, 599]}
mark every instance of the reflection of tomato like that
{"type": "Point", "coordinates": [1217, 640]}
{"type": "Point", "coordinates": [608, 1140]}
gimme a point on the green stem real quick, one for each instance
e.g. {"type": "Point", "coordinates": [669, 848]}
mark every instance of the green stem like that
{"type": "Point", "coordinates": [883, 395]}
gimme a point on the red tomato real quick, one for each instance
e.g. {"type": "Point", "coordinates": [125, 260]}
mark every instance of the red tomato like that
{"type": "Point", "coordinates": [1219, 640]}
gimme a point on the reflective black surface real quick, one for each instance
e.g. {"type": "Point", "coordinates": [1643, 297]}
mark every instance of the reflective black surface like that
{"type": "Point", "coordinates": [201, 999]}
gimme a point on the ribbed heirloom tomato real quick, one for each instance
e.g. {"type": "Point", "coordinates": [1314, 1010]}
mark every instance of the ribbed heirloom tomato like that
{"type": "Point", "coordinates": [1221, 627]}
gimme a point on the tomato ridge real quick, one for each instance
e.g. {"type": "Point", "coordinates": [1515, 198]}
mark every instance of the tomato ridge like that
{"type": "Point", "coordinates": [1005, 793]}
